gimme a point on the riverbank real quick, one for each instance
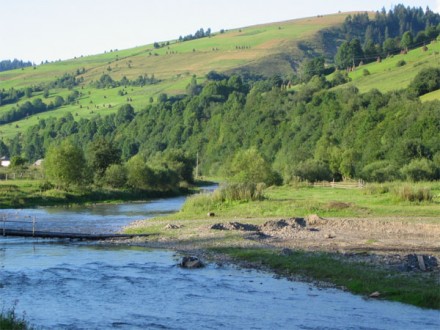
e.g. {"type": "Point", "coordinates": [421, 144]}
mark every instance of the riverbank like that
{"type": "Point", "coordinates": [36, 193]}
{"type": "Point", "coordinates": [368, 254]}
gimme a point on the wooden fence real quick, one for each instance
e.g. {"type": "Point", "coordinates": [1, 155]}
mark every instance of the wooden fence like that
{"type": "Point", "coordinates": [341, 184]}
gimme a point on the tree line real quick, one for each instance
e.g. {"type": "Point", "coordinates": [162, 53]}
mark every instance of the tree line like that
{"type": "Point", "coordinates": [313, 133]}
{"type": "Point", "coordinates": [6, 65]}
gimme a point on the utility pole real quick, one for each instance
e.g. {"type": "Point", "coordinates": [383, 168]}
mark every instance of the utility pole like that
{"type": "Point", "coordinates": [197, 165]}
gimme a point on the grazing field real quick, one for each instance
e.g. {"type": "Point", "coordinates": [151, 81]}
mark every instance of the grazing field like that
{"type": "Point", "coordinates": [396, 72]}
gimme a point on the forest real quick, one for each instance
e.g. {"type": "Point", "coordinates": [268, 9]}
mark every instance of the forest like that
{"type": "Point", "coordinates": [315, 133]}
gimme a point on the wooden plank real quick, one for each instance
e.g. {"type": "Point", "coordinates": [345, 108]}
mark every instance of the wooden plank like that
{"type": "Point", "coordinates": [43, 234]}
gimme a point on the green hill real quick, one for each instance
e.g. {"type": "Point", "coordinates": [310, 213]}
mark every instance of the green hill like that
{"type": "Point", "coordinates": [264, 49]}
{"type": "Point", "coordinates": [396, 72]}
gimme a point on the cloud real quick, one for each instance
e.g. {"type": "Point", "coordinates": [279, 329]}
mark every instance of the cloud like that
{"type": "Point", "coordinates": [437, 6]}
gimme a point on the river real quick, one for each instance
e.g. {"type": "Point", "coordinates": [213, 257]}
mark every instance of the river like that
{"type": "Point", "coordinates": [60, 284]}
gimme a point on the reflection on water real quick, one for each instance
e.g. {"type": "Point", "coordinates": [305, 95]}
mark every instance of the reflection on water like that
{"type": "Point", "coordinates": [81, 286]}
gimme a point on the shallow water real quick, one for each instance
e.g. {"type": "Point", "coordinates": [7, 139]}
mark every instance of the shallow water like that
{"type": "Point", "coordinates": [83, 286]}
{"type": "Point", "coordinates": [61, 284]}
{"type": "Point", "coordinates": [94, 219]}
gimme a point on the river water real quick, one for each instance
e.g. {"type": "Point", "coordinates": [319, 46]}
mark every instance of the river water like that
{"type": "Point", "coordinates": [61, 284]}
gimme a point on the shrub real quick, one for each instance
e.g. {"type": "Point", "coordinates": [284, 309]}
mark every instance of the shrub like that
{"type": "Point", "coordinates": [380, 171]}
{"type": "Point", "coordinates": [312, 170]}
{"type": "Point", "coordinates": [426, 81]}
{"type": "Point", "coordinates": [419, 170]}
{"type": "Point", "coordinates": [365, 72]}
{"type": "Point", "coordinates": [239, 192]}
{"type": "Point", "coordinates": [401, 63]}
{"type": "Point", "coordinates": [248, 166]}
{"type": "Point", "coordinates": [413, 194]}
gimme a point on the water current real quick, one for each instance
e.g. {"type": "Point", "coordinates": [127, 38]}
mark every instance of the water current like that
{"type": "Point", "coordinates": [61, 284]}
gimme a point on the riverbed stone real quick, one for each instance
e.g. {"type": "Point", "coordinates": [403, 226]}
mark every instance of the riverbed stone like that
{"type": "Point", "coordinates": [191, 262]}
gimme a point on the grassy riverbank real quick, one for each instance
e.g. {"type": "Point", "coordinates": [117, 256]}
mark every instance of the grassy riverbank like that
{"type": "Point", "coordinates": [32, 193]}
{"type": "Point", "coordinates": [359, 242]}
{"type": "Point", "coordinates": [10, 321]}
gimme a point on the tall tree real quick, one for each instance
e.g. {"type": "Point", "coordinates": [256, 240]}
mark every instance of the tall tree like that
{"type": "Point", "coordinates": [65, 165]}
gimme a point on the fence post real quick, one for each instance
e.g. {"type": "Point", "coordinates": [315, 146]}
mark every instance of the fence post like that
{"type": "Point", "coordinates": [33, 226]}
{"type": "Point", "coordinates": [4, 225]}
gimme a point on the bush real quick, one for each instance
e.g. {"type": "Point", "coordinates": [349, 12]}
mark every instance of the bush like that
{"type": "Point", "coordinates": [380, 171]}
{"type": "Point", "coordinates": [239, 192]}
{"type": "Point", "coordinates": [115, 176]}
{"type": "Point", "coordinates": [248, 166]}
{"type": "Point", "coordinates": [426, 81]}
{"type": "Point", "coordinates": [419, 170]}
{"type": "Point", "coordinates": [413, 194]}
{"type": "Point", "coordinates": [401, 63]}
{"type": "Point", "coordinates": [312, 170]}
{"type": "Point", "coordinates": [365, 72]}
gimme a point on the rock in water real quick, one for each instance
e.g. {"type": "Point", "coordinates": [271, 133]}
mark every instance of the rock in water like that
{"type": "Point", "coordinates": [191, 262]}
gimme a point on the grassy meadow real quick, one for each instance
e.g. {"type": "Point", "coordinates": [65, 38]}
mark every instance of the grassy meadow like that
{"type": "Point", "coordinates": [390, 74]}
{"type": "Point", "coordinates": [173, 64]}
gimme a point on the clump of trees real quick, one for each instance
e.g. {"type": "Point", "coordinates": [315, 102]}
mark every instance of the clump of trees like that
{"type": "Point", "coordinates": [67, 166]}
{"type": "Point", "coordinates": [6, 65]}
{"type": "Point", "coordinates": [106, 81]}
{"type": "Point", "coordinates": [201, 33]}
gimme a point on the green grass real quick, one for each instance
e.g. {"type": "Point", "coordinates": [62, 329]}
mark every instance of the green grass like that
{"type": "Point", "coordinates": [10, 321]}
{"type": "Point", "coordinates": [31, 193]}
{"type": "Point", "coordinates": [356, 277]}
{"type": "Point", "coordinates": [327, 202]}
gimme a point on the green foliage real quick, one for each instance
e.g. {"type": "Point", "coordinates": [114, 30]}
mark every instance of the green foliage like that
{"type": "Point", "coordinates": [115, 176]}
{"type": "Point", "coordinates": [139, 175]}
{"type": "Point", "coordinates": [312, 170]}
{"type": "Point", "coordinates": [401, 63]}
{"type": "Point", "coordinates": [427, 80]}
{"type": "Point", "coordinates": [420, 170]}
{"type": "Point", "coordinates": [239, 192]}
{"type": "Point", "coordinates": [100, 155]}
{"type": "Point", "coordinates": [10, 321]}
{"type": "Point", "coordinates": [65, 165]}
{"type": "Point", "coordinates": [380, 171]}
{"type": "Point", "coordinates": [248, 166]}
{"type": "Point", "coordinates": [407, 40]}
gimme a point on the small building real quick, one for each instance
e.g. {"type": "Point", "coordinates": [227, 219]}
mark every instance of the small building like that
{"type": "Point", "coordinates": [38, 162]}
{"type": "Point", "coordinates": [5, 161]}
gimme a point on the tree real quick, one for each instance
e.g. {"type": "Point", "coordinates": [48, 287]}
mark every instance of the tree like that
{"type": "Point", "coordinates": [426, 81]}
{"type": "Point", "coordinates": [100, 155]}
{"type": "Point", "coordinates": [310, 68]}
{"type": "Point", "coordinates": [349, 54]}
{"type": "Point", "coordinates": [139, 175]}
{"type": "Point", "coordinates": [116, 176]}
{"type": "Point", "coordinates": [65, 165]}
{"type": "Point", "coordinates": [406, 41]}
{"type": "Point", "coordinates": [248, 166]}
{"type": "Point", "coordinates": [125, 114]}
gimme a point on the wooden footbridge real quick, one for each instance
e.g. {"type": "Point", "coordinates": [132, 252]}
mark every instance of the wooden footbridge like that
{"type": "Point", "coordinates": [32, 232]}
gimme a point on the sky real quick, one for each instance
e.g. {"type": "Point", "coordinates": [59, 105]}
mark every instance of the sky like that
{"type": "Point", "coordinates": [39, 30]}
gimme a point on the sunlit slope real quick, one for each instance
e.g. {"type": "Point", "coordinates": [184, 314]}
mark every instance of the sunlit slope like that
{"type": "Point", "coordinates": [220, 52]}
{"type": "Point", "coordinates": [268, 48]}
{"type": "Point", "coordinates": [396, 72]}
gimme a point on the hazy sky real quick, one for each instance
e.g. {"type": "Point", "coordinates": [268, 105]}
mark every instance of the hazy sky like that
{"type": "Point", "coordinates": [39, 30]}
